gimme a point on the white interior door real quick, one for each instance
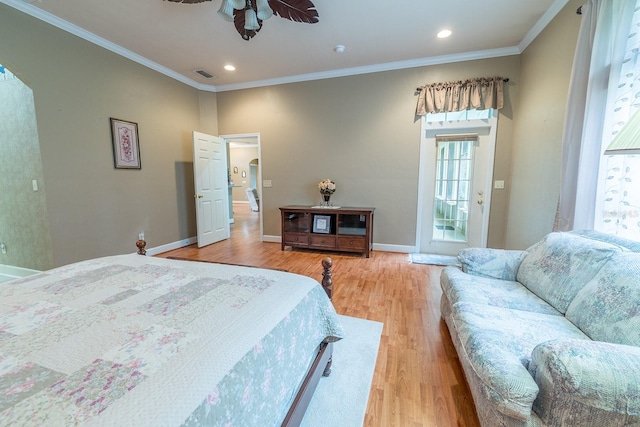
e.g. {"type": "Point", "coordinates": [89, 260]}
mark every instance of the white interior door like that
{"type": "Point", "coordinates": [211, 186]}
{"type": "Point", "coordinates": [456, 172]}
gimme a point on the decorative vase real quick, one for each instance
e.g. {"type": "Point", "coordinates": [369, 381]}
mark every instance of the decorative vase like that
{"type": "Point", "coordinates": [327, 198]}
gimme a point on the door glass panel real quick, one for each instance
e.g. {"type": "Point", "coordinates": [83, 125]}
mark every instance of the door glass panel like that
{"type": "Point", "coordinates": [454, 171]}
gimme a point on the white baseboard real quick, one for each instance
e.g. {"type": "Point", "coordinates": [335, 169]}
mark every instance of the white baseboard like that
{"type": "Point", "coordinates": [269, 239]}
{"type": "Point", "coordinates": [394, 248]}
{"type": "Point", "coordinates": [272, 239]}
{"type": "Point", "coordinates": [171, 246]}
{"type": "Point", "coordinates": [15, 272]}
{"type": "Point", "coordinates": [376, 246]}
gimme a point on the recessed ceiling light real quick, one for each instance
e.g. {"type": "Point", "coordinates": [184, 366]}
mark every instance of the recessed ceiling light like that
{"type": "Point", "coordinates": [444, 34]}
{"type": "Point", "coordinates": [229, 67]}
{"type": "Point", "coordinates": [339, 49]}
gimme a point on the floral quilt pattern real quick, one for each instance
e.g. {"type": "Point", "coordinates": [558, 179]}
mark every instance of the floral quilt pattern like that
{"type": "Point", "coordinates": [144, 341]}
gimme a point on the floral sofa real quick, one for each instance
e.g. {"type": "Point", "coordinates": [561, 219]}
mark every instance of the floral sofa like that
{"type": "Point", "coordinates": [549, 336]}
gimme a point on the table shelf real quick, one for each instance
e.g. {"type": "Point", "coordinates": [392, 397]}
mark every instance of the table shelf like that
{"type": "Point", "coordinates": [337, 229]}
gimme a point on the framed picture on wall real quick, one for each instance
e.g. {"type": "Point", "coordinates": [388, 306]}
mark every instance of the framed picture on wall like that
{"type": "Point", "coordinates": [126, 147]}
{"type": "Point", "coordinates": [322, 224]}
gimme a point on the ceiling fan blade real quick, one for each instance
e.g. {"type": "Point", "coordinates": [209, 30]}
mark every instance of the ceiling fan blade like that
{"type": "Point", "coordinates": [188, 1]}
{"type": "Point", "coordinates": [238, 22]}
{"type": "Point", "coordinates": [295, 10]}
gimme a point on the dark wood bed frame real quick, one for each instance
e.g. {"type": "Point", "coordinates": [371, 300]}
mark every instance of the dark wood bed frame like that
{"type": "Point", "coordinates": [321, 366]}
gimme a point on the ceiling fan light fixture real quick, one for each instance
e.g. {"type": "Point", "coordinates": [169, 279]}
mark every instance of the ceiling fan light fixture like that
{"type": "Point", "coordinates": [251, 20]}
{"type": "Point", "coordinates": [238, 4]}
{"type": "Point", "coordinates": [226, 10]}
{"type": "Point", "coordinates": [257, 11]}
{"type": "Point", "coordinates": [264, 11]}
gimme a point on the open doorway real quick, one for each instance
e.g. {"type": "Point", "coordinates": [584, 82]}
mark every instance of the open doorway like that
{"type": "Point", "coordinates": [456, 170]}
{"type": "Point", "coordinates": [25, 239]}
{"type": "Point", "coordinates": [245, 173]}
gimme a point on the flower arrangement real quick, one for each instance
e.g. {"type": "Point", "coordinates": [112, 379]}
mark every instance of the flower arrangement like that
{"type": "Point", "coordinates": [327, 186]}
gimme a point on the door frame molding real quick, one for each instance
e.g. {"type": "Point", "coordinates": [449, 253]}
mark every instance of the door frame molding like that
{"type": "Point", "coordinates": [244, 136]}
{"type": "Point", "coordinates": [424, 170]}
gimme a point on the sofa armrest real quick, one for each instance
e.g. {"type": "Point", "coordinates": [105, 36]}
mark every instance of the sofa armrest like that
{"type": "Point", "coordinates": [494, 263]}
{"type": "Point", "coordinates": [585, 382]}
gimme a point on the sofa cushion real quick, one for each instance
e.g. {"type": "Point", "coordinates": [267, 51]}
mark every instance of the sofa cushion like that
{"type": "Point", "coordinates": [488, 262]}
{"type": "Point", "coordinates": [630, 245]}
{"type": "Point", "coordinates": [608, 307]}
{"type": "Point", "coordinates": [498, 343]}
{"type": "Point", "coordinates": [458, 286]}
{"type": "Point", "coordinates": [558, 266]}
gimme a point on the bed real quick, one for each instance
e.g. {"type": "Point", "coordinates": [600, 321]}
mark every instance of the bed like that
{"type": "Point", "coordinates": [145, 341]}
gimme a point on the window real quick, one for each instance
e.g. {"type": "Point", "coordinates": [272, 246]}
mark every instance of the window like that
{"type": "Point", "coordinates": [454, 170]}
{"type": "Point", "coordinates": [456, 116]}
{"type": "Point", "coordinates": [617, 209]}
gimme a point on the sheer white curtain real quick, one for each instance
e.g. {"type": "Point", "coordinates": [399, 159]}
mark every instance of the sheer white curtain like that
{"type": "Point", "coordinates": [599, 54]}
{"type": "Point", "coordinates": [618, 208]}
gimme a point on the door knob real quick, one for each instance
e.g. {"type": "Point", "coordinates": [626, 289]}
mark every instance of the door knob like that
{"type": "Point", "coordinates": [480, 201]}
{"type": "Point", "coordinates": [199, 196]}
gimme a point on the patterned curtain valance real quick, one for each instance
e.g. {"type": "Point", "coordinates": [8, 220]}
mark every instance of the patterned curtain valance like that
{"type": "Point", "coordinates": [473, 94]}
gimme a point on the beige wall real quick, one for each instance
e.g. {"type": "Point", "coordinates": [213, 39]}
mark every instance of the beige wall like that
{"type": "Point", "coordinates": [537, 147]}
{"type": "Point", "coordinates": [358, 130]}
{"type": "Point", "coordinates": [94, 209]}
{"type": "Point", "coordinates": [24, 223]}
{"type": "Point", "coordinates": [361, 132]}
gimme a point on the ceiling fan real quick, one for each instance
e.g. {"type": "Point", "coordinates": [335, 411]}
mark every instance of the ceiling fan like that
{"type": "Point", "coordinates": [247, 15]}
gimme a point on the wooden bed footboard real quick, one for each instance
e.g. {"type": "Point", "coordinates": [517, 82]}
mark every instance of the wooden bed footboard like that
{"type": "Point", "coordinates": [320, 368]}
{"type": "Point", "coordinates": [327, 263]}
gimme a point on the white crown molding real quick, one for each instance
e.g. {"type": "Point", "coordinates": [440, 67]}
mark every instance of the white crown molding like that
{"type": "Point", "coordinates": [389, 66]}
{"type": "Point", "coordinates": [23, 6]}
{"type": "Point", "coordinates": [42, 15]}
{"type": "Point", "coordinates": [542, 23]}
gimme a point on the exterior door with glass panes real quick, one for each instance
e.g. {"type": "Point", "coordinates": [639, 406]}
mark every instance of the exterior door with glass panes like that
{"type": "Point", "coordinates": [456, 193]}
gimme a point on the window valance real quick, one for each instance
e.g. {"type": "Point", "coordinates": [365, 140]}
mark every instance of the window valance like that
{"type": "Point", "coordinates": [473, 94]}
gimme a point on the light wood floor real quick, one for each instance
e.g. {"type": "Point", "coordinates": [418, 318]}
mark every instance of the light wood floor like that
{"type": "Point", "coordinates": [418, 380]}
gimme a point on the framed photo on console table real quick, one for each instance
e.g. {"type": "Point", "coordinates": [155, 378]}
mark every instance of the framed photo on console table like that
{"type": "Point", "coordinates": [126, 147]}
{"type": "Point", "coordinates": [322, 224]}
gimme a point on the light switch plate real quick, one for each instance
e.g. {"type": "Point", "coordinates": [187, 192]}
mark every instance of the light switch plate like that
{"type": "Point", "coordinates": [498, 184]}
{"type": "Point", "coordinates": [266, 183]}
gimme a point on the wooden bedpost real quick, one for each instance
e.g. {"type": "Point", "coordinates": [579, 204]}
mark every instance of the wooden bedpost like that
{"type": "Point", "coordinates": [141, 247]}
{"type": "Point", "coordinates": [327, 282]}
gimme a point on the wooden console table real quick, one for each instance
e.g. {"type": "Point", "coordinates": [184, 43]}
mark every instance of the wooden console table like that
{"type": "Point", "coordinates": [337, 229]}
